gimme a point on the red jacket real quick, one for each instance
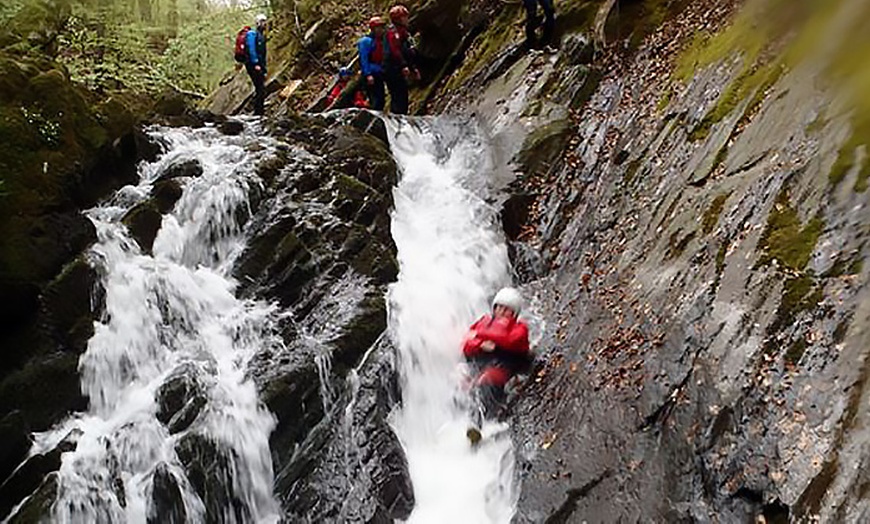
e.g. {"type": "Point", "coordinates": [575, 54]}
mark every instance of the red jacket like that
{"type": "Point", "coordinates": [511, 339]}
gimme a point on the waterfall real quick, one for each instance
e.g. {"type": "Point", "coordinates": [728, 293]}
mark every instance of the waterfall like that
{"type": "Point", "coordinates": [173, 318]}
{"type": "Point", "coordinates": [452, 259]}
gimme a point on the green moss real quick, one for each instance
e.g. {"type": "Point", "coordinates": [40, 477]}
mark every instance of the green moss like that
{"type": "Point", "coordinates": [818, 123]}
{"type": "Point", "coordinates": [677, 245]}
{"type": "Point", "coordinates": [847, 157]}
{"type": "Point", "coordinates": [786, 239]}
{"type": "Point", "coordinates": [720, 258]}
{"type": "Point", "coordinates": [754, 80]}
{"type": "Point", "coordinates": [666, 98]}
{"type": "Point", "coordinates": [742, 36]}
{"type": "Point", "coordinates": [631, 170]}
{"type": "Point", "coordinates": [800, 294]}
{"type": "Point", "coordinates": [711, 216]}
{"type": "Point", "coordinates": [796, 351]}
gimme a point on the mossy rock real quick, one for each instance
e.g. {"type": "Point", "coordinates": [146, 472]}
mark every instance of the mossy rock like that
{"type": "Point", "coordinates": [786, 239]}
{"type": "Point", "coordinates": [364, 158]}
{"type": "Point", "coordinates": [71, 303]}
{"type": "Point", "coordinates": [351, 195]}
{"type": "Point", "coordinates": [367, 324]}
{"type": "Point", "coordinates": [46, 390]}
{"type": "Point", "coordinates": [165, 193]}
{"type": "Point", "coordinates": [376, 261]}
{"type": "Point", "coordinates": [35, 249]}
{"type": "Point", "coordinates": [259, 254]}
{"type": "Point", "coordinates": [13, 79]}
{"type": "Point", "coordinates": [144, 221]}
{"type": "Point", "coordinates": [190, 168]}
{"type": "Point", "coordinates": [543, 146]}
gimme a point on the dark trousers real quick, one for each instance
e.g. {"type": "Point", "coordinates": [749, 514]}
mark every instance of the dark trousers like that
{"type": "Point", "coordinates": [532, 21]}
{"type": "Point", "coordinates": [377, 93]}
{"type": "Point", "coordinates": [398, 86]}
{"type": "Point", "coordinates": [259, 80]}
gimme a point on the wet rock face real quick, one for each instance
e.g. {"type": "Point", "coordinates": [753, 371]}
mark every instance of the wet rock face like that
{"type": "Point", "coordinates": [703, 278]}
{"type": "Point", "coordinates": [33, 476]}
{"type": "Point", "coordinates": [167, 504]}
{"type": "Point", "coordinates": [210, 472]}
{"type": "Point", "coordinates": [181, 398]}
{"type": "Point", "coordinates": [352, 468]}
{"type": "Point", "coordinates": [320, 246]}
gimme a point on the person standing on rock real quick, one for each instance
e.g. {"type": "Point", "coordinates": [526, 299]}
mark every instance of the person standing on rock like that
{"type": "Point", "coordinates": [373, 49]}
{"type": "Point", "coordinates": [401, 64]}
{"type": "Point", "coordinates": [533, 22]}
{"type": "Point", "coordinates": [255, 47]}
{"type": "Point", "coordinates": [496, 348]}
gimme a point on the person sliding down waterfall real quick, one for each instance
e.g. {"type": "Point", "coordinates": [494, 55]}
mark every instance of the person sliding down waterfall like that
{"type": "Point", "coordinates": [495, 348]}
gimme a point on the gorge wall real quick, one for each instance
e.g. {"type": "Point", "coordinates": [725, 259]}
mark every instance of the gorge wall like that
{"type": "Point", "coordinates": [684, 197]}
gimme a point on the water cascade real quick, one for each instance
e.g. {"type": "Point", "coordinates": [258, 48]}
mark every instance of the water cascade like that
{"type": "Point", "coordinates": [452, 259]}
{"type": "Point", "coordinates": [172, 318]}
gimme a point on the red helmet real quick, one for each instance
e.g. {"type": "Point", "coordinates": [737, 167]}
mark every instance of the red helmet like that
{"type": "Point", "coordinates": [376, 21]}
{"type": "Point", "coordinates": [397, 12]}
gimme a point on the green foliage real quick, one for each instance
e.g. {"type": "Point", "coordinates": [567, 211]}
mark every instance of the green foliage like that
{"type": "Point", "coordinates": [200, 55]}
{"type": "Point", "coordinates": [143, 46]}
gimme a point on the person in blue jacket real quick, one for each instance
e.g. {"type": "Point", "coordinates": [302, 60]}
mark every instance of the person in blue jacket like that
{"type": "Point", "coordinates": [255, 46]}
{"type": "Point", "coordinates": [373, 49]}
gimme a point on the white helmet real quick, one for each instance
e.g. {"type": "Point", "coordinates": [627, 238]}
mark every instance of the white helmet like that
{"type": "Point", "coordinates": [261, 18]}
{"type": "Point", "coordinates": [510, 298]}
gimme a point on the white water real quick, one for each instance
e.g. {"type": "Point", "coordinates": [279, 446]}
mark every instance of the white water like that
{"type": "Point", "coordinates": [174, 308]}
{"type": "Point", "coordinates": [452, 260]}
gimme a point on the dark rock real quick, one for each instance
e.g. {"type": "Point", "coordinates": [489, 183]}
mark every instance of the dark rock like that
{"type": "Point", "coordinates": [363, 157]}
{"type": "Point", "coordinates": [292, 393]}
{"type": "Point", "coordinates": [186, 168]}
{"type": "Point", "coordinates": [361, 331]}
{"type": "Point", "coordinates": [269, 168]}
{"type": "Point", "coordinates": [515, 214]}
{"type": "Point", "coordinates": [44, 405]}
{"type": "Point", "coordinates": [71, 303]}
{"type": "Point", "coordinates": [14, 442]}
{"type": "Point", "coordinates": [32, 473]}
{"type": "Point", "coordinates": [144, 221]}
{"type": "Point", "coordinates": [180, 398]}
{"type": "Point", "coordinates": [209, 471]}
{"type": "Point", "coordinates": [355, 474]}
{"type": "Point", "coordinates": [36, 250]}
{"type": "Point", "coordinates": [113, 167]}
{"type": "Point", "coordinates": [165, 193]}
{"type": "Point", "coordinates": [167, 503]}
{"type": "Point", "coordinates": [148, 148]}
{"type": "Point", "coordinates": [37, 508]}
{"type": "Point", "coordinates": [231, 127]}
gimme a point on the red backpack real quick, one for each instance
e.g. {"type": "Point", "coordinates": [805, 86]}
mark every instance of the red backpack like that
{"type": "Point", "coordinates": [241, 53]}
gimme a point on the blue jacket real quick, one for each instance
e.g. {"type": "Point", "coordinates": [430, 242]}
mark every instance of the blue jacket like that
{"type": "Point", "coordinates": [366, 47]}
{"type": "Point", "coordinates": [255, 44]}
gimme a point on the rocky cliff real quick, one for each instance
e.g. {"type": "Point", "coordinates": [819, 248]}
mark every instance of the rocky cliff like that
{"type": "Point", "coordinates": [685, 205]}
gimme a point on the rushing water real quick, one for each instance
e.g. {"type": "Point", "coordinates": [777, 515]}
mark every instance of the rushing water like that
{"type": "Point", "coordinates": [173, 312]}
{"type": "Point", "coordinates": [452, 259]}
